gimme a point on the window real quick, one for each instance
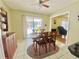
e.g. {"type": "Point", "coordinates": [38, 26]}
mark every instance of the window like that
{"type": "Point", "coordinates": [33, 24]}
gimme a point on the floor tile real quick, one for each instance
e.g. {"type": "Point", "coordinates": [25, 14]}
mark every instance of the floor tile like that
{"type": "Point", "coordinates": [68, 56]}
{"type": "Point", "coordinates": [21, 52]}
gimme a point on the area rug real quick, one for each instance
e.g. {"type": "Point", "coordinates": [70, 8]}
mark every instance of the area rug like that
{"type": "Point", "coordinates": [43, 53]}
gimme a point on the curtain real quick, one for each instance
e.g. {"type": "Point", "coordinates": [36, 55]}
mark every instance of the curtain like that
{"type": "Point", "coordinates": [31, 24]}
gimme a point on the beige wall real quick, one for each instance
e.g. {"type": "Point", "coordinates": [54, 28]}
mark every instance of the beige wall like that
{"type": "Point", "coordinates": [59, 20]}
{"type": "Point", "coordinates": [16, 21]}
{"type": "Point", "coordinates": [74, 23]}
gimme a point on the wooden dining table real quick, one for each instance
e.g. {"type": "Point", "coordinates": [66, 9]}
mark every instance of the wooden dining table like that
{"type": "Point", "coordinates": [48, 37]}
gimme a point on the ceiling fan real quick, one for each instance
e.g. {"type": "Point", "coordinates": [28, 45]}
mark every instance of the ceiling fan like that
{"type": "Point", "coordinates": [44, 3]}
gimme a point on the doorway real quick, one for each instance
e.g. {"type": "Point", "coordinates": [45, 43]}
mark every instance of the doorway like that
{"type": "Point", "coordinates": [63, 21]}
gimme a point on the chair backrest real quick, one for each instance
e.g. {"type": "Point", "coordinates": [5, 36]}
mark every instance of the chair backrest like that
{"type": "Point", "coordinates": [61, 30]}
{"type": "Point", "coordinates": [44, 36]}
{"type": "Point", "coordinates": [52, 30]}
{"type": "Point", "coordinates": [53, 35]}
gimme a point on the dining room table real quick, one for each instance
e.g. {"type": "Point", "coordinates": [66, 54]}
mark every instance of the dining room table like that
{"type": "Point", "coordinates": [47, 37]}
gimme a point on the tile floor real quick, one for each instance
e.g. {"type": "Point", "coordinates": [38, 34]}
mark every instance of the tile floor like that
{"type": "Point", "coordinates": [21, 52]}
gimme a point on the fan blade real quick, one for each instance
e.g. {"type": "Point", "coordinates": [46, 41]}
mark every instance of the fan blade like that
{"type": "Point", "coordinates": [43, 1]}
{"type": "Point", "coordinates": [47, 6]}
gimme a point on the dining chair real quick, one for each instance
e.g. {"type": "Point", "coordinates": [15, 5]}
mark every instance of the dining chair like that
{"type": "Point", "coordinates": [41, 43]}
{"type": "Point", "coordinates": [52, 39]}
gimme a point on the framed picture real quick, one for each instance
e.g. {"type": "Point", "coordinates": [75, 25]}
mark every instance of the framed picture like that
{"type": "Point", "coordinates": [54, 21]}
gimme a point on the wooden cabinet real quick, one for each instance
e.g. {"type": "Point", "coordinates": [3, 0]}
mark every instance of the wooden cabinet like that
{"type": "Point", "coordinates": [8, 39]}
{"type": "Point", "coordinates": [9, 44]}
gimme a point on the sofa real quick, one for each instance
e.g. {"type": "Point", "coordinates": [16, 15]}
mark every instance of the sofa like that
{"type": "Point", "coordinates": [74, 49]}
{"type": "Point", "coordinates": [62, 31]}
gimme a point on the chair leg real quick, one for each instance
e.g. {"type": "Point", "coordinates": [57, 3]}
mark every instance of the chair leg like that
{"type": "Point", "coordinates": [36, 46]}
{"type": "Point", "coordinates": [49, 46]}
{"type": "Point", "coordinates": [54, 45]}
{"type": "Point", "coordinates": [39, 49]}
{"type": "Point", "coordinates": [46, 48]}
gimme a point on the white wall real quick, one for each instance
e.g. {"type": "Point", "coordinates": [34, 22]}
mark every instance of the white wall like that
{"type": "Point", "coordinates": [74, 23]}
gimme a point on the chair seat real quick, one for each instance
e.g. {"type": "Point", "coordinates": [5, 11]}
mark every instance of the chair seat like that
{"type": "Point", "coordinates": [74, 49]}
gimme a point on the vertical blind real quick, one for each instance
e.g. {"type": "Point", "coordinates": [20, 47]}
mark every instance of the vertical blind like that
{"type": "Point", "coordinates": [31, 24]}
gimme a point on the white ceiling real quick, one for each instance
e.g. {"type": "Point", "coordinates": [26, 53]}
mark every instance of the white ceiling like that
{"type": "Point", "coordinates": [33, 5]}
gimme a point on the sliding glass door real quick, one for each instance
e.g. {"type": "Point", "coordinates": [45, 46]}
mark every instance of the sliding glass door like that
{"type": "Point", "coordinates": [31, 26]}
{"type": "Point", "coordinates": [33, 23]}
